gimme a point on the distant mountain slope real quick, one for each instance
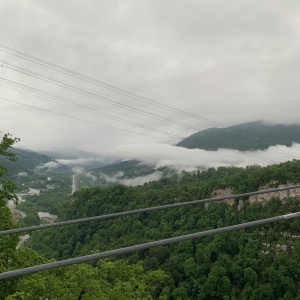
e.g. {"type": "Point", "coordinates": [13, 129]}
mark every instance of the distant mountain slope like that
{"type": "Point", "coordinates": [130, 168]}
{"type": "Point", "coordinates": [246, 136]}
{"type": "Point", "coordinates": [120, 172]}
{"type": "Point", "coordinates": [27, 161]}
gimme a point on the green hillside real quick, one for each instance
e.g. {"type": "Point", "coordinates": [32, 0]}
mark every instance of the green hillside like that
{"type": "Point", "coordinates": [27, 161]}
{"type": "Point", "coordinates": [257, 263]}
{"type": "Point", "coordinates": [247, 136]}
{"type": "Point", "coordinates": [118, 171]}
{"type": "Point", "coordinates": [130, 168]}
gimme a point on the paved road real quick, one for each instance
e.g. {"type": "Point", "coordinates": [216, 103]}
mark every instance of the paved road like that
{"type": "Point", "coordinates": [75, 186]}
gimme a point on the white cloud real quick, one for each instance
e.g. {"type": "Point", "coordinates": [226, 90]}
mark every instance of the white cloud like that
{"type": "Point", "coordinates": [190, 159]}
{"type": "Point", "coordinates": [91, 175]}
{"type": "Point", "coordinates": [79, 161]}
{"type": "Point", "coordinates": [50, 165]}
{"type": "Point", "coordinates": [140, 180]}
{"type": "Point", "coordinates": [78, 170]}
{"type": "Point", "coordinates": [23, 174]}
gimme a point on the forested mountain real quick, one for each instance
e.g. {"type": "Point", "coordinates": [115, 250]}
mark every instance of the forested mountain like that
{"type": "Point", "coordinates": [131, 169]}
{"type": "Point", "coordinates": [27, 161]}
{"type": "Point", "coordinates": [246, 136]}
{"type": "Point", "coordinates": [104, 280]}
{"type": "Point", "coordinates": [257, 263]}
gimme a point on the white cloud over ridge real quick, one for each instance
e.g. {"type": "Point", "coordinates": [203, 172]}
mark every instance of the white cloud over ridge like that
{"type": "Point", "coordinates": [181, 158]}
{"type": "Point", "coordinates": [50, 165]}
{"type": "Point", "coordinates": [118, 177]}
{"type": "Point", "coordinates": [176, 158]}
{"type": "Point", "coordinates": [79, 161]}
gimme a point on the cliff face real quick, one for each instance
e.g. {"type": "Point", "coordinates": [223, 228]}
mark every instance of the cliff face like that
{"type": "Point", "coordinates": [264, 198]}
{"type": "Point", "coordinates": [281, 195]}
{"type": "Point", "coordinates": [223, 193]}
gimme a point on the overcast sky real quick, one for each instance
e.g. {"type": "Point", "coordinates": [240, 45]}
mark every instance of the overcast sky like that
{"type": "Point", "coordinates": [157, 71]}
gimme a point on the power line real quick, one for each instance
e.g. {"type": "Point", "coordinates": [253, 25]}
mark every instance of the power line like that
{"type": "Point", "coordinates": [117, 89]}
{"type": "Point", "coordinates": [70, 102]}
{"type": "Point", "coordinates": [119, 119]}
{"type": "Point", "coordinates": [89, 79]}
{"type": "Point", "coordinates": [88, 134]}
{"type": "Point", "coordinates": [91, 94]}
{"type": "Point", "coordinates": [139, 247]}
{"type": "Point", "coordinates": [103, 84]}
{"type": "Point", "coordinates": [41, 94]}
{"type": "Point", "coordinates": [142, 210]}
{"type": "Point", "coordinates": [77, 104]}
{"type": "Point", "coordinates": [75, 118]}
{"type": "Point", "coordinates": [65, 130]}
{"type": "Point", "coordinates": [159, 131]}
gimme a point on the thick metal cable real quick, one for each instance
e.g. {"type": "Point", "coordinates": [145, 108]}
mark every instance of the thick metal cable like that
{"type": "Point", "coordinates": [143, 210]}
{"type": "Point", "coordinates": [144, 246]}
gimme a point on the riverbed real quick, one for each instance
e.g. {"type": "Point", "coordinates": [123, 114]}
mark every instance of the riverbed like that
{"type": "Point", "coordinates": [20, 214]}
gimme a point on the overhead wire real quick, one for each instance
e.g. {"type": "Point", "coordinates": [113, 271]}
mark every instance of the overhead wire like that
{"type": "Point", "coordinates": [144, 210]}
{"type": "Point", "coordinates": [106, 85]}
{"type": "Point", "coordinates": [88, 121]}
{"type": "Point", "coordinates": [163, 132]}
{"type": "Point", "coordinates": [44, 95]}
{"type": "Point", "coordinates": [69, 131]}
{"type": "Point", "coordinates": [92, 94]}
{"type": "Point", "coordinates": [89, 79]}
{"type": "Point", "coordinates": [169, 134]}
{"type": "Point", "coordinates": [94, 109]}
{"type": "Point", "coordinates": [114, 88]}
{"type": "Point", "coordinates": [59, 83]}
{"type": "Point", "coordinates": [145, 246]}
{"type": "Point", "coordinates": [76, 104]}
{"type": "Point", "coordinates": [72, 117]}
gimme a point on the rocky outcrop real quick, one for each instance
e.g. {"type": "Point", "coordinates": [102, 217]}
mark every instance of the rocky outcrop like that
{"type": "Point", "coordinates": [281, 195]}
{"type": "Point", "coordinates": [223, 193]}
{"type": "Point", "coordinates": [263, 198]}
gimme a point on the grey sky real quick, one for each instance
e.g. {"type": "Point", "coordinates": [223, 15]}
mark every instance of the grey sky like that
{"type": "Point", "coordinates": [228, 61]}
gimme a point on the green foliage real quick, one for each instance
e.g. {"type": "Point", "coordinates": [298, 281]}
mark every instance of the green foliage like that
{"type": "Point", "coordinates": [246, 264]}
{"type": "Point", "coordinates": [7, 192]}
{"type": "Point", "coordinates": [107, 280]}
{"type": "Point", "coordinates": [109, 174]}
{"type": "Point", "coordinates": [27, 160]}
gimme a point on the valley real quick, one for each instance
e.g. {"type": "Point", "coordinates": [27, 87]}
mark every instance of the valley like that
{"type": "Point", "coordinates": [237, 265]}
{"type": "Point", "coordinates": [153, 147]}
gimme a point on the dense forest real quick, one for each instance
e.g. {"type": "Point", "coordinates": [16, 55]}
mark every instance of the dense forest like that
{"type": "Point", "coordinates": [27, 162]}
{"type": "Point", "coordinates": [257, 263]}
{"type": "Point", "coordinates": [246, 136]}
{"type": "Point", "coordinates": [101, 280]}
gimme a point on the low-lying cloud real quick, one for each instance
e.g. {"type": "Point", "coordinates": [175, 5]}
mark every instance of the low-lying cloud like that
{"type": "Point", "coordinates": [23, 174]}
{"type": "Point", "coordinates": [80, 161]}
{"type": "Point", "coordinates": [191, 159]}
{"type": "Point", "coordinates": [78, 170]}
{"type": "Point", "coordinates": [140, 180]}
{"type": "Point", "coordinates": [50, 165]}
{"type": "Point", "coordinates": [91, 176]}
{"type": "Point", "coordinates": [173, 157]}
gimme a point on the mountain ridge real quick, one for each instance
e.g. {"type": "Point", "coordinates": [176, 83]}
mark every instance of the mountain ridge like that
{"type": "Point", "coordinates": [256, 135]}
